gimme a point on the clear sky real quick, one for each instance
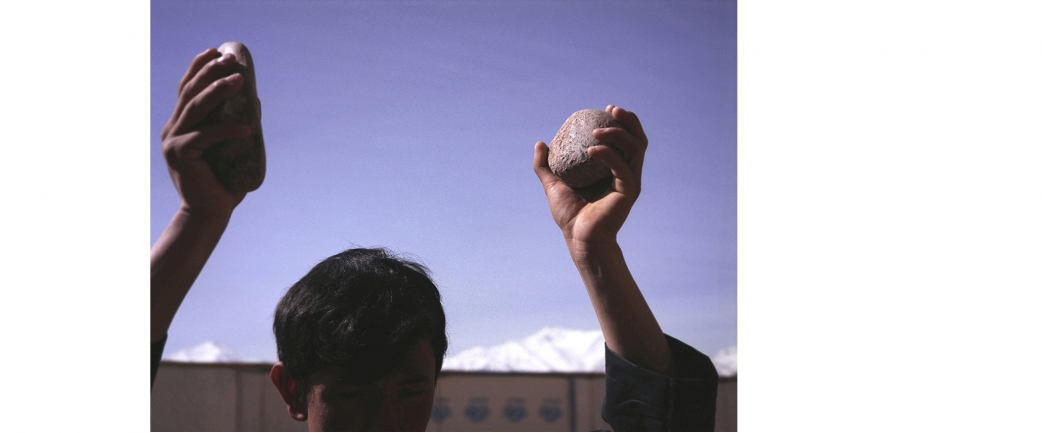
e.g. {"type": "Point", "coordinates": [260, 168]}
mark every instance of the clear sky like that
{"type": "Point", "coordinates": [889, 191]}
{"type": "Point", "coordinates": [411, 125]}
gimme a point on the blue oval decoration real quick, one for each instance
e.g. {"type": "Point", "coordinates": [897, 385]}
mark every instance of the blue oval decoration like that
{"type": "Point", "coordinates": [550, 412]}
{"type": "Point", "coordinates": [515, 410]}
{"type": "Point", "coordinates": [441, 409]}
{"type": "Point", "coordinates": [477, 409]}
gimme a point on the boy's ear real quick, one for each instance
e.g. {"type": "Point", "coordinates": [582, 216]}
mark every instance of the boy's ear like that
{"type": "Point", "coordinates": [289, 388]}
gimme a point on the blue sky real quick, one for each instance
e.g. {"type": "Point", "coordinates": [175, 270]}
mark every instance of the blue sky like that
{"type": "Point", "coordinates": [411, 125]}
{"type": "Point", "coordinates": [888, 201]}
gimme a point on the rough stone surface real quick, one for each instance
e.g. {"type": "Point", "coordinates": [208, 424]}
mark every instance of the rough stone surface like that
{"type": "Point", "coordinates": [568, 158]}
{"type": "Point", "coordinates": [239, 164]}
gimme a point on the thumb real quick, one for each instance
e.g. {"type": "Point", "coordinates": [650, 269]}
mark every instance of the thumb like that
{"type": "Point", "coordinates": [541, 165]}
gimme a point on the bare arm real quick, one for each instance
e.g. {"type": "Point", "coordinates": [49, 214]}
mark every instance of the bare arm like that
{"type": "Point", "coordinates": [177, 259]}
{"type": "Point", "coordinates": [590, 225]}
{"type": "Point", "coordinates": [178, 256]}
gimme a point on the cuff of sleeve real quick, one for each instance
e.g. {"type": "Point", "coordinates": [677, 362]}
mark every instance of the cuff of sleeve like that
{"type": "Point", "coordinates": [641, 400]}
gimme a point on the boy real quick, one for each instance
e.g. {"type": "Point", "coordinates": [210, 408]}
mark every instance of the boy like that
{"type": "Point", "coordinates": [361, 337]}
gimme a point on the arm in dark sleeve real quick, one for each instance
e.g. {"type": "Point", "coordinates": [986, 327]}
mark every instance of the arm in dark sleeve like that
{"type": "Point", "coordinates": [157, 354]}
{"type": "Point", "coordinates": [640, 400]}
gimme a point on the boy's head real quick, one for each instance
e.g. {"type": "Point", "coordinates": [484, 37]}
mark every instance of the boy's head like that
{"type": "Point", "coordinates": [360, 340]}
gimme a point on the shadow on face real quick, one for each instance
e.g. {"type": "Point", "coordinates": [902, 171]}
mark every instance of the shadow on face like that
{"type": "Point", "coordinates": [399, 401]}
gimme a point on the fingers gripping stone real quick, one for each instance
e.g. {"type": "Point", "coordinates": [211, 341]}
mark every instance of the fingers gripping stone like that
{"type": "Point", "coordinates": [239, 164]}
{"type": "Point", "coordinates": [568, 158]}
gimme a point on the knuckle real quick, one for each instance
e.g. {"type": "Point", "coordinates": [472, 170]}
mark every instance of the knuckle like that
{"type": "Point", "coordinates": [192, 105]}
{"type": "Point", "coordinates": [170, 150]}
{"type": "Point", "coordinates": [217, 67]}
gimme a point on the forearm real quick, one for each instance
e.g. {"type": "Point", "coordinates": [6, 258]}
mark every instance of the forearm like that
{"type": "Point", "coordinates": [629, 327]}
{"type": "Point", "coordinates": [177, 258]}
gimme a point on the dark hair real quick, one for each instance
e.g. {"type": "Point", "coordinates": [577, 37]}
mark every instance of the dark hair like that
{"type": "Point", "coordinates": [355, 313]}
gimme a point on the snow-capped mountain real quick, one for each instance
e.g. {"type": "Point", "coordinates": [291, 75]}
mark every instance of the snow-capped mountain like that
{"type": "Point", "coordinates": [549, 350]}
{"type": "Point", "coordinates": [557, 350]}
{"type": "Point", "coordinates": [208, 351]}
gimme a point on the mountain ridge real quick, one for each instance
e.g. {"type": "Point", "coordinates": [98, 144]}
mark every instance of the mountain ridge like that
{"type": "Point", "coordinates": [549, 350]}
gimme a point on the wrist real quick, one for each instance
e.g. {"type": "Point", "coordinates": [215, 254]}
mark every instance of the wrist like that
{"type": "Point", "coordinates": [588, 250]}
{"type": "Point", "coordinates": [187, 238]}
{"type": "Point", "coordinates": [586, 238]}
{"type": "Point", "coordinates": [187, 213]}
{"type": "Point", "coordinates": [195, 221]}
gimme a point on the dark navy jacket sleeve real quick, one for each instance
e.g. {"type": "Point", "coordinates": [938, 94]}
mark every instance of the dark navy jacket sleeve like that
{"type": "Point", "coordinates": [640, 400]}
{"type": "Point", "coordinates": [157, 354]}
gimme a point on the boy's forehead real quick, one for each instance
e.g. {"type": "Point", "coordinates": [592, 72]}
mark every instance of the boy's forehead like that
{"type": "Point", "coordinates": [415, 364]}
{"type": "Point", "coordinates": [395, 377]}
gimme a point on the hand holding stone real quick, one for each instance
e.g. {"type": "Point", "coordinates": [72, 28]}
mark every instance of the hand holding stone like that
{"type": "Point", "coordinates": [186, 137]}
{"type": "Point", "coordinates": [585, 215]}
{"type": "Point", "coordinates": [569, 159]}
{"type": "Point", "coordinates": [239, 163]}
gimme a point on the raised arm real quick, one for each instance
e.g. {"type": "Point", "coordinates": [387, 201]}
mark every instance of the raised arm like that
{"type": "Point", "coordinates": [590, 225]}
{"type": "Point", "coordinates": [178, 256]}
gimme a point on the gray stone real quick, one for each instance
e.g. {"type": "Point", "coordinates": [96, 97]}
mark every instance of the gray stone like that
{"type": "Point", "coordinates": [568, 158]}
{"type": "Point", "coordinates": [240, 163]}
